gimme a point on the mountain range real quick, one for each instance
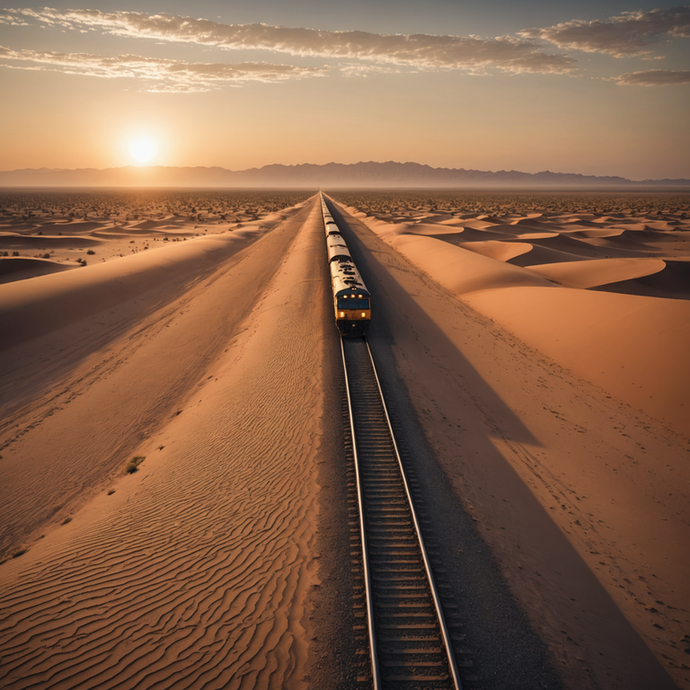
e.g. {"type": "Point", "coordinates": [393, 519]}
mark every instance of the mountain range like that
{"type": "Point", "coordinates": [333, 175]}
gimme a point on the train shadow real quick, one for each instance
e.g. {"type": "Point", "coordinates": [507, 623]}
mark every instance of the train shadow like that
{"type": "Point", "coordinates": [390, 298]}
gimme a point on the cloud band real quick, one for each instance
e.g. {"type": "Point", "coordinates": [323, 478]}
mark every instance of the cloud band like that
{"type": "Point", "coordinates": [164, 75]}
{"type": "Point", "coordinates": [624, 35]}
{"type": "Point", "coordinates": [471, 53]}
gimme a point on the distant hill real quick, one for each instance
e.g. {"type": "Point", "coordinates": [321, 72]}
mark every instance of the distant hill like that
{"type": "Point", "coordinates": [333, 175]}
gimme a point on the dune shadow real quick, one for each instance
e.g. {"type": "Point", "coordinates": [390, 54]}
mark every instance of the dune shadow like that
{"type": "Point", "coordinates": [673, 282]}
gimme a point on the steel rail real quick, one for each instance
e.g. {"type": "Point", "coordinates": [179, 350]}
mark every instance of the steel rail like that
{"type": "Point", "coordinates": [425, 557]}
{"type": "Point", "coordinates": [371, 553]}
{"type": "Point", "coordinates": [375, 671]}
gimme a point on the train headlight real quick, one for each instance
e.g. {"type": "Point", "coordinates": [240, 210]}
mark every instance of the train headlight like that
{"type": "Point", "coordinates": [363, 314]}
{"type": "Point", "coordinates": [342, 313]}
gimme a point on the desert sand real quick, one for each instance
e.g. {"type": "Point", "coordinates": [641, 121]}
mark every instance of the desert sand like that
{"type": "Point", "coordinates": [540, 358]}
{"type": "Point", "coordinates": [577, 395]}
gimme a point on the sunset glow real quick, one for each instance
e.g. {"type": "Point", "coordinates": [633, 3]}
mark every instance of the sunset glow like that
{"type": "Point", "coordinates": [594, 88]}
{"type": "Point", "coordinates": [143, 150]}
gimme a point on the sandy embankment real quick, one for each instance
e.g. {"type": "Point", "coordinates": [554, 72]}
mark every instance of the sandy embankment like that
{"type": "Point", "coordinates": [198, 566]}
{"type": "Point", "coordinates": [582, 498]}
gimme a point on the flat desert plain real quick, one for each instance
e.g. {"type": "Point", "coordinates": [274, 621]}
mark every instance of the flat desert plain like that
{"type": "Point", "coordinates": [532, 346]}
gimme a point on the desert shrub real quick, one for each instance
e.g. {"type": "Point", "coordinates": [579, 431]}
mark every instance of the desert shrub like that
{"type": "Point", "coordinates": [91, 251]}
{"type": "Point", "coordinates": [133, 465]}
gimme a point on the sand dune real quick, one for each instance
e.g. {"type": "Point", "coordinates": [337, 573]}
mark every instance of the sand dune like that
{"type": "Point", "coordinates": [599, 232]}
{"type": "Point", "coordinates": [102, 225]}
{"type": "Point", "coordinates": [531, 220]}
{"type": "Point", "coordinates": [460, 270]}
{"type": "Point", "coordinates": [35, 307]}
{"type": "Point", "coordinates": [630, 345]}
{"type": "Point", "coordinates": [19, 269]}
{"type": "Point", "coordinates": [626, 241]}
{"type": "Point", "coordinates": [582, 247]}
{"type": "Point", "coordinates": [197, 568]}
{"type": "Point", "coordinates": [77, 227]}
{"type": "Point", "coordinates": [501, 251]}
{"type": "Point", "coordinates": [588, 274]}
{"type": "Point", "coordinates": [17, 241]}
{"type": "Point", "coordinates": [671, 283]}
{"type": "Point", "coordinates": [150, 224]}
{"type": "Point", "coordinates": [538, 254]}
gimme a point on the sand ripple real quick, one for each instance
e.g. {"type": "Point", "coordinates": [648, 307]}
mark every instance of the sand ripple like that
{"type": "Point", "coordinates": [194, 573]}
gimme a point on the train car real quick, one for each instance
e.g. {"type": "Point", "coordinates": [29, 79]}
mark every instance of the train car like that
{"type": "Point", "coordinates": [351, 299]}
{"type": "Point", "coordinates": [337, 249]}
{"type": "Point", "coordinates": [330, 226]}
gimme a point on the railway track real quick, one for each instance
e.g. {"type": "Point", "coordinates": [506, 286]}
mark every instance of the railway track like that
{"type": "Point", "coordinates": [410, 646]}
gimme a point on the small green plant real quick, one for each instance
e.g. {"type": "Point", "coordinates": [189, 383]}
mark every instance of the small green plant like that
{"type": "Point", "coordinates": [133, 464]}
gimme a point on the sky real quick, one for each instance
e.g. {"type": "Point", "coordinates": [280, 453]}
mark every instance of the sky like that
{"type": "Point", "coordinates": [587, 87]}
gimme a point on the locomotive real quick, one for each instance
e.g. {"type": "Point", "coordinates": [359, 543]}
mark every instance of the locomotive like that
{"type": "Point", "coordinates": [351, 299]}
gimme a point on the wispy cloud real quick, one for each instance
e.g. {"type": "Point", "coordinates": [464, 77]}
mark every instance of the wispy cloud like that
{"type": "Point", "coordinates": [471, 53]}
{"type": "Point", "coordinates": [624, 35]}
{"type": "Point", "coordinates": [163, 75]}
{"type": "Point", "coordinates": [654, 77]}
{"type": "Point", "coordinates": [359, 69]}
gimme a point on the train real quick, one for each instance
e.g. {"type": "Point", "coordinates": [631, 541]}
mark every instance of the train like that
{"type": "Point", "coordinates": [351, 299]}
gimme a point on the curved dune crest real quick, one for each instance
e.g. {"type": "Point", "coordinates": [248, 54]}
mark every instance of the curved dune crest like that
{"type": "Point", "coordinates": [626, 241]}
{"type": "Point", "coordinates": [501, 251]}
{"type": "Point", "coordinates": [33, 242]}
{"type": "Point", "coordinates": [600, 232]}
{"type": "Point", "coordinates": [596, 272]}
{"type": "Point", "coordinates": [16, 268]}
{"type": "Point", "coordinates": [460, 270]}
{"type": "Point", "coordinates": [537, 235]}
{"type": "Point", "coordinates": [634, 347]}
{"type": "Point", "coordinates": [478, 224]}
{"type": "Point", "coordinates": [530, 219]}
{"type": "Point", "coordinates": [538, 254]}
{"type": "Point", "coordinates": [79, 226]}
{"type": "Point", "coordinates": [34, 307]}
{"type": "Point", "coordinates": [149, 224]}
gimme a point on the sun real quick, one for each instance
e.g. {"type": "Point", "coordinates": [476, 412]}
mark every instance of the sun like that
{"type": "Point", "coordinates": [143, 149]}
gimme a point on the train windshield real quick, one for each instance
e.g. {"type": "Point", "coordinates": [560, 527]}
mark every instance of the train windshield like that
{"type": "Point", "coordinates": [353, 302]}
